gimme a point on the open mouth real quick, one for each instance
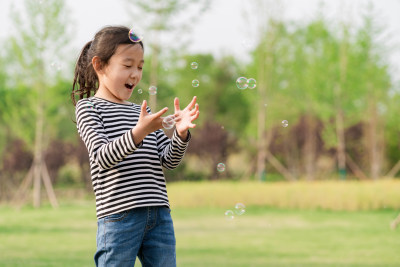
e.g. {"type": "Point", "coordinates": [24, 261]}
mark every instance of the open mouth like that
{"type": "Point", "coordinates": [129, 86]}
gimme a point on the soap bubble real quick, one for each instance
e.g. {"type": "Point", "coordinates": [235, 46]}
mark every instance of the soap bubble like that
{"type": "Point", "coordinates": [152, 90]}
{"type": "Point", "coordinates": [229, 215]}
{"type": "Point", "coordinates": [220, 167]}
{"type": "Point", "coordinates": [195, 83]}
{"type": "Point", "coordinates": [240, 208]}
{"type": "Point", "coordinates": [252, 83]}
{"type": "Point", "coordinates": [135, 35]}
{"type": "Point", "coordinates": [194, 65]}
{"type": "Point", "coordinates": [241, 83]}
{"type": "Point", "coordinates": [285, 123]}
{"type": "Point", "coordinates": [168, 122]}
{"type": "Point", "coordinates": [140, 91]}
{"type": "Point", "coordinates": [55, 66]}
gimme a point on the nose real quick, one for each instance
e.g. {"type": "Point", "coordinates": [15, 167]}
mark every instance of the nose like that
{"type": "Point", "coordinates": [135, 74]}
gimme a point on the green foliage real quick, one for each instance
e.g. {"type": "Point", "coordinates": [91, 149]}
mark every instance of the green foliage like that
{"type": "Point", "coordinates": [18, 112]}
{"type": "Point", "coordinates": [303, 70]}
{"type": "Point", "coordinates": [218, 97]}
{"type": "Point", "coordinates": [34, 64]}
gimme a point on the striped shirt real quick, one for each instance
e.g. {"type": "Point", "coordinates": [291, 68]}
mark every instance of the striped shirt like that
{"type": "Point", "coordinates": [125, 176]}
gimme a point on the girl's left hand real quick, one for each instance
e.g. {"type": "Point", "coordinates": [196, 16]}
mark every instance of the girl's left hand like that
{"type": "Point", "coordinates": [185, 117]}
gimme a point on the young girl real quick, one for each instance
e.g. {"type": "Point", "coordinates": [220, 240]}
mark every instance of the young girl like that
{"type": "Point", "coordinates": [127, 150]}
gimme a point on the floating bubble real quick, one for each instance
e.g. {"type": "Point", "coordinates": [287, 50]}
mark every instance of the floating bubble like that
{"type": "Point", "coordinates": [284, 84]}
{"type": "Point", "coordinates": [194, 65]}
{"type": "Point", "coordinates": [220, 167]}
{"type": "Point", "coordinates": [229, 215]}
{"type": "Point", "coordinates": [241, 83]}
{"type": "Point", "coordinates": [140, 91]}
{"type": "Point", "coordinates": [251, 83]}
{"type": "Point", "coordinates": [195, 83]}
{"type": "Point", "coordinates": [55, 66]}
{"type": "Point", "coordinates": [240, 208]}
{"type": "Point", "coordinates": [135, 35]}
{"type": "Point", "coordinates": [168, 122]}
{"type": "Point", "coordinates": [285, 123]}
{"type": "Point", "coordinates": [152, 90]}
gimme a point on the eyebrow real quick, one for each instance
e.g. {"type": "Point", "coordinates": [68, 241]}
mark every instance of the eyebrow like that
{"type": "Point", "coordinates": [131, 59]}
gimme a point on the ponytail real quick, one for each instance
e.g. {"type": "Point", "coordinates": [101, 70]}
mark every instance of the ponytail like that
{"type": "Point", "coordinates": [104, 45]}
{"type": "Point", "coordinates": [85, 78]}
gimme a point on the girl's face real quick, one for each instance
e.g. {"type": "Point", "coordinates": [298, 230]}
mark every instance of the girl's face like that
{"type": "Point", "coordinates": [123, 72]}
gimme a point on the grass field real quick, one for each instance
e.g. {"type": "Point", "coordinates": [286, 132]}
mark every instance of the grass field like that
{"type": "Point", "coordinates": [326, 223]}
{"type": "Point", "coordinates": [260, 237]}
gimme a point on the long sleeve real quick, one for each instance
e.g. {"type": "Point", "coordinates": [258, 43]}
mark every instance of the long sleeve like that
{"type": "Point", "coordinates": [101, 150]}
{"type": "Point", "coordinates": [171, 151]}
{"type": "Point", "coordinates": [125, 176]}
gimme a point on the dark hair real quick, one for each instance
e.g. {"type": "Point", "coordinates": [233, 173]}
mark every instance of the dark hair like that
{"type": "Point", "coordinates": [104, 45]}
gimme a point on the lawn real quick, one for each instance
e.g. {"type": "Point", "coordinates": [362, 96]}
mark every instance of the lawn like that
{"type": "Point", "coordinates": [260, 237]}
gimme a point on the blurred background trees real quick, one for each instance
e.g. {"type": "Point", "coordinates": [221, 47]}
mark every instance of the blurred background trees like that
{"type": "Point", "coordinates": [330, 81]}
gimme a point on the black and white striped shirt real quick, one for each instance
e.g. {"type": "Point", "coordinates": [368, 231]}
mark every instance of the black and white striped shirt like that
{"type": "Point", "coordinates": [125, 176]}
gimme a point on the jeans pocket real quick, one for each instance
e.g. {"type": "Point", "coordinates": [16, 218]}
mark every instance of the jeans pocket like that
{"type": "Point", "coordinates": [116, 217]}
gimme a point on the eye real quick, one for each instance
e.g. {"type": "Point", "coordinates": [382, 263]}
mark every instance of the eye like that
{"type": "Point", "coordinates": [127, 66]}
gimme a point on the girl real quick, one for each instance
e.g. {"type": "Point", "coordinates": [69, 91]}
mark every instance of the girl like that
{"type": "Point", "coordinates": [127, 150]}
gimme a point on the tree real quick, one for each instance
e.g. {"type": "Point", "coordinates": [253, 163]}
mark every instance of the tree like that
{"type": "Point", "coordinates": [35, 55]}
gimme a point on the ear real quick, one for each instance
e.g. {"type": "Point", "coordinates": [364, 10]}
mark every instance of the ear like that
{"type": "Point", "coordinates": [96, 62]}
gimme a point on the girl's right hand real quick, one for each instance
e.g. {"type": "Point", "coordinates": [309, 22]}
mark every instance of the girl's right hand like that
{"type": "Point", "coordinates": [147, 123]}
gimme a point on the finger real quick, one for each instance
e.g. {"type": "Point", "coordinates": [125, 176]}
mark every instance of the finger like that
{"type": "Point", "coordinates": [195, 116]}
{"type": "Point", "coordinates": [193, 111]}
{"type": "Point", "coordinates": [161, 112]}
{"type": "Point", "coordinates": [192, 103]}
{"type": "Point", "coordinates": [176, 104]}
{"type": "Point", "coordinates": [144, 107]}
{"type": "Point", "coordinates": [177, 119]}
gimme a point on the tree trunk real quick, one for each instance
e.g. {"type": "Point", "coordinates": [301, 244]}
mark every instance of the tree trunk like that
{"type": "Point", "coordinates": [339, 118]}
{"type": "Point", "coordinates": [261, 144]}
{"type": "Point", "coordinates": [372, 140]}
{"type": "Point", "coordinates": [265, 69]}
{"type": "Point", "coordinates": [38, 154]}
{"type": "Point", "coordinates": [38, 171]}
{"type": "Point", "coordinates": [309, 150]}
{"type": "Point", "coordinates": [341, 146]}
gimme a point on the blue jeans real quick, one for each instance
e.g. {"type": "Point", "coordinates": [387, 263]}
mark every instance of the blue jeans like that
{"type": "Point", "coordinates": [147, 233]}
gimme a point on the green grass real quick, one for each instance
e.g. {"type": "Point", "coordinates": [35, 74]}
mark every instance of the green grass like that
{"type": "Point", "coordinates": [260, 237]}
